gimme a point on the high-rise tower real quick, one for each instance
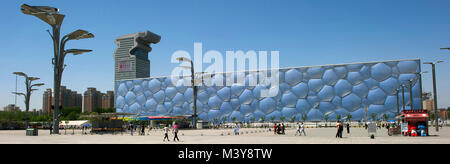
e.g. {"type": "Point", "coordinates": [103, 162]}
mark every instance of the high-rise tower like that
{"type": "Point", "coordinates": [131, 56]}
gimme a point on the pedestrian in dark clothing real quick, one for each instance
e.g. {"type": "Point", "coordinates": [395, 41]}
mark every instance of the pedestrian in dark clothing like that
{"type": "Point", "coordinates": [282, 128]}
{"type": "Point", "coordinates": [348, 128]}
{"type": "Point", "coordinates": [143, 130]}
{"type": "Point", "coordinates": [175, 132]}
{"type": "Point", "coordinates": [51, 129]}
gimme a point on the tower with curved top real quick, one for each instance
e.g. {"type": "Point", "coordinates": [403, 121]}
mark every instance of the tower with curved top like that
{"type": "Point", "coordinates": [131, 56]}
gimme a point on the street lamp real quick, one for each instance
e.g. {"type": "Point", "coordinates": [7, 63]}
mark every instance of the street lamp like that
{"type": "Point", "coordinates": [420, 82]}
{"type": "Point", "coordinates": [51, 16]}
{"type": "Point", "coordinates": [29, 90]}
{"type": "Point", "coordinates": [194, 83]}
{"type": "Point", "coordinates": [434, 92]}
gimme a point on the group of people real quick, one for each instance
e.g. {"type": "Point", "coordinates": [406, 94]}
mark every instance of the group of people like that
{"type": "Point", "coordinates": [278, 129]}
{"type": "Point", "coordinates": [340, 128]}
{"type": "Point", "coordinates": [300, 129]}
{"type": "Point", "coordinates": [174, 131]}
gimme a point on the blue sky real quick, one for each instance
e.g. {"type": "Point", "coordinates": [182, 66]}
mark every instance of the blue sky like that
{"type": "Point", "coordinates": [305, 32]}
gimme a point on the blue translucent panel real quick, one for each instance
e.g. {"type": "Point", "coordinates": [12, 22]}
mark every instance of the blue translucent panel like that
{"type": "Point", "coordinates": [354, 78]}
{"type": "Point", "coordinates": [416, 90]}
{"type": "Point", "coordinates": [407, 98]}
{"type": "Point", "coordinates": [169, 82]}
{"type": "Point", "coordinates": [284, 88]}
{"type": "Point", "coordinates": [289, 100]}
{"type": "Point", "coordinates": [225, 108]}
{"type": "Point", "coordinates": [275, 115]}
{"type": "Point", "coordinates": [326, 107]}
{"type": "Point", "coordinates": [246, 110]}
{"type": "Point", "coordinates": [204, 116]}
{"type": "Point", "coordinates": [126, 109]}
{"type": "Point", "coordinates": [313, 101]}
{"type": "Point", "coordinates": [120, 102]}
{"type": "Point", "coordinates": [351, 102]}
{"type": "Point", "coordinates": [122, 90]}
{"type": "Point", "coordinates": [150, 105]}
{"type": "Point", "coordinates": [137, 90]}
{"type": "Point", "coordinates": [390, 86]}
{"type": "Point", "coordinates": [407, 66]}
{"type": "Point", "coordinates": [391, 103]}
{"type": "Point", "coordinates": [189, 95]}
{"type": "Point", "coordinates": [200, 106]}
{"type": "Point", "coordinates": [154, 85]}
{"type": "Point", "coordinates": [326, 93]}
{"type": "Point", "coordinates": [330, 77]}
{"type": "Point", "coordinates": [178, 100]}
{"type": "Point", "coordinates": [130, 98]}
{"type": "Point", "coordinates": [292, 77]}
{"type": "Point", "coordinates": [365, 72]}
{"type": "Point", "coordinates": [237, 115]}
{"type": "Point", "coordinates": [212, 114]}
{"type": "Point", "coordinates": [235, 103]}
{"type": "Point", "coordinates": [246, 97]}
{"type": "Point", "coordinates": [135, 108]}
{"type": "Point", "coordinates": [159, 96]}
{"type": "Point", "coordinates": [416, 103]}
{"type": "Point", "coordinates": [381, 71]}
{"type": "Point", "coordinates": [203, 97]}
{"type": "Point", "coordinates": [237, 89]}
{"type": "Point", "coordinates": [180, 86]}
{"type": "Point", "coordinates": [214, 102]}
{"type": "Point", "coordinates": [288, 112]}
{"type": "Point", "coordinates": [300, 90]}
{"type": "Point", "coordinates": [342, 112]}
{"type": "Point", "coordinates": [170, 92]}
{"type": "Point", "coordinates": [377, 96]}
{"type": "Point", "coordinates": [371, 83]}
{"type": "Point", "coordinates": [315, 72]}
{"type": "Point", "coordinates": [337, 101]}
{"type": "Point", "coordinates": [129, 84]}
{"type": "Point", "coordinates": [358, 114]}
{"type": "Point", "coordinates": [267, 105]}
{"type": "Point", "coordinates": [224, 93]}
{"type": "Point", "coordinates": [354, 67]}
{"type": "Point", "coordinates": [161, 110]}
{"type": "Point", "coordinates": [342, 88]}
{"type": "Point", "coordinates": [404, 78]}
{"type": "Point", "coordinates": [315, 85]}
{"type": "Point", "coordinates": [141, 100]}
{"type": "Point", "coordinates": [361, 90]}
{"type": "Point", "coordinates": [148, 94]}
{"type": "Point", "coordinates": [315, 115]}
{"type": "Point", "coordinates": [341, 72]}
{"type": "Point", "coordinates": [377, 109]}
{"type": "Point", "coordinates": [257, 91]}
{"type": "Point", "coordinates": [255, 104]}
{"type": "Point", "coordinates": [211, 91]}
{"type": "Point", "coordinates": [258, 115]}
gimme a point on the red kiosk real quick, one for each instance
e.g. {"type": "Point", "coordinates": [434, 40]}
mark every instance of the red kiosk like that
{"type": "Point", "coordinates": [417, 122]}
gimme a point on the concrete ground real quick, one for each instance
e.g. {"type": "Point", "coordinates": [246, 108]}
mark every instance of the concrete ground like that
{"type": "Point", "coordinates": [226, 136]}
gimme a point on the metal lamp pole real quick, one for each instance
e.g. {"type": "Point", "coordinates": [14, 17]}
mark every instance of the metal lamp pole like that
{"type": "Point", "coordinates": [29, 89]}
{"type": "Point", "coordinates": [51, 16]}
{"type": "Point", "coordinates": [434, 92]}
{"type": "Point", "coordinates": [410, 94]}
{"type": "Point", "coordinates": [194, 83]}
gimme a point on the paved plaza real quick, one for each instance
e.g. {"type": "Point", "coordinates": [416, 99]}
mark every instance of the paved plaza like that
{"type": "Point", "coordinates": [226, 136]}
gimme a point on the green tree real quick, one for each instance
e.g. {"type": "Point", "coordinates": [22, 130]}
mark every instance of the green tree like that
{"type": "Point", "coordinates": [304, 117]}
{"type": "Point", "coordinates": [338, 117]}
{"type": "Point", "coordinates": [349, 117]}
{"type": "Point", "coordinates": [263, 118]}
{"type": "Point", "coordinates": [272, 119]}
{"type": "Point", "coordinates": [373, 115]}
{"type": "Point", "coordinates": [282, 118]}
{"type": "Point", "coordinates": [326, 117]}
{"type": "Point", "coordinates": [233, 119]}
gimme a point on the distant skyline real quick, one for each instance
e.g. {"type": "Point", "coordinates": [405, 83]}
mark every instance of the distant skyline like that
{"type": "Point", "coordinates": [305, 33]}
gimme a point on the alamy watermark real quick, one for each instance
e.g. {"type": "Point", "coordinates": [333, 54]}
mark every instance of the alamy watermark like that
{"type": "Point", "coordinates": [235, 66]}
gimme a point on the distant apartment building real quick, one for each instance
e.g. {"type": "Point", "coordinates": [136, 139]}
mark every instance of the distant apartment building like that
{"type": "Point", "coordinates": [94, 99]}
{"type": "Point", "coordinates": [67, 99]}
{"type": "Point", "coordinates": [11, 108]}
{"type": "Point", "coordinates": [428, 104]}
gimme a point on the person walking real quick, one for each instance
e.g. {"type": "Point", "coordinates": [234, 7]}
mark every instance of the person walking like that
{"type": "Point", "coordinates": [143, 129]}
{"type": "Point", "coordinates": [348, 128]}
{"type": "Point", "coordinates": [302, 129]}
{"type": "Point", "coordinates": [339, 128]}
{"type": "Point", "coordinates": [166, 133]}
{"type": "Point", "coordinates": [298, 129]}
{"type": "Point", "coordinates": [236, 129]}
{"type": "Point", "coordinates": [274, 128]}
{"type": "Point", "coordinates": [175, 132]}
{"type": "Point", "coordinates": [51, 129]}
{"type": "Point", "coordinates": [282, 128]}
